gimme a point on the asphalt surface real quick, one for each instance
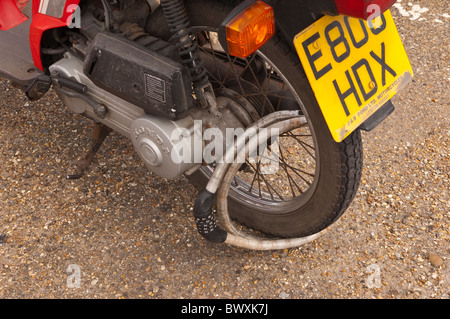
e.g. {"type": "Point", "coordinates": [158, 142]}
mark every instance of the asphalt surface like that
{"type": "Point", "coordinates": [122, 232]}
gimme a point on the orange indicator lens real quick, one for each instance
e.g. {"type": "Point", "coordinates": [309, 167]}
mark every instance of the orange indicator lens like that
{"type": "Point", "coordinates": [250, 30]}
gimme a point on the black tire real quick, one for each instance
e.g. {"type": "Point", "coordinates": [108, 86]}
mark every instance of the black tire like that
{"type": "Point", "coordinates": [338, 166]}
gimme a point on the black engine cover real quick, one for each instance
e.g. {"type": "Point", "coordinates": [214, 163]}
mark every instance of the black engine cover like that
{"type": "Point", "coordinates": [146, 78]}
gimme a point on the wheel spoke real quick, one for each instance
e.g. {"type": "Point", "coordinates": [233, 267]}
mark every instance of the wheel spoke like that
{"type": "Point", "coordinates": [297, 171]}
{"type": "Point", "coordinates": [268, 185]}
{"type": "Point", "coordinates": [303, 145]}
{"type": "Point", "coordinates": [267, 91]}
{"type": "Point", "coordinates": [290, 179]}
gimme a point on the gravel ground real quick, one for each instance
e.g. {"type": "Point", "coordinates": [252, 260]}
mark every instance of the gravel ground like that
{"type": "Point", "coordinates": [126, 233]}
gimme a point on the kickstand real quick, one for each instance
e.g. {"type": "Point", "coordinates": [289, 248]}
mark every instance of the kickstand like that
{"type": "Point", "coordinates": [99, 134]}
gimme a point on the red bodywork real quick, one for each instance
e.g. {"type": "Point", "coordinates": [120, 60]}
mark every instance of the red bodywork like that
{"type": "Point", "coordinates": [363, 9]}
{"type": "Point", "coordinates": [11, 16]}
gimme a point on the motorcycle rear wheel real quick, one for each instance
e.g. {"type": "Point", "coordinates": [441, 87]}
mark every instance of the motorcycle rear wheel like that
{"type": "Point", "coordinates": [318, 178]}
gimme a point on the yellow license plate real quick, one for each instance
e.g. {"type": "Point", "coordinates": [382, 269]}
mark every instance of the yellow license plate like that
{"type": "Point", "coordinates": [353, 66]}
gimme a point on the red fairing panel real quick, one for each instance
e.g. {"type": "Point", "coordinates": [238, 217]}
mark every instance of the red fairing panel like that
{"type": "Point", "coordinates": [10, 15]}
{"type": "Point", "coordinates": [43, 21]}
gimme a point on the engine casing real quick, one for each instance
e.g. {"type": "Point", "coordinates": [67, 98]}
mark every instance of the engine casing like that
{"type": "Point", "coordinates": [160, 144]}
{"type": "Point", "coordinates": [154, 137]}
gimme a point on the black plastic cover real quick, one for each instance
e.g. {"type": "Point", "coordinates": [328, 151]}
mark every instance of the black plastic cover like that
{"type": "Point", "coordinates": [379, 116]}
{"type": "Point", "coordinates": [138, 75]}
{"type": "Point", "coordinates": [293, 17]}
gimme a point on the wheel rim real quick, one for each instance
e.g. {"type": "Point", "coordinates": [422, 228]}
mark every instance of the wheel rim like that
{"type": "Point", "coordinates": [268, 90]}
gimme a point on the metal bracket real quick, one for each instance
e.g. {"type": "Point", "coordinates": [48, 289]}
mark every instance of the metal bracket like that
{"type": "Point", "coordinates": [99, 134]}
